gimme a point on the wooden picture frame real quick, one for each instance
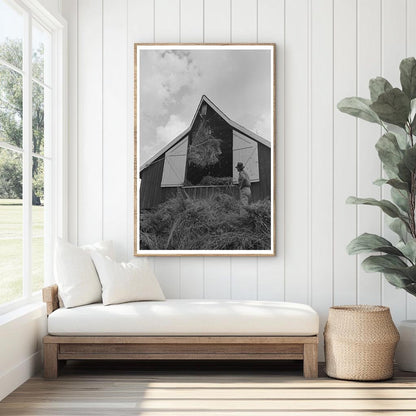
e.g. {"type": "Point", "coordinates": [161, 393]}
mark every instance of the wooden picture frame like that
{"type": "Point", "coordinates": [190, 198]}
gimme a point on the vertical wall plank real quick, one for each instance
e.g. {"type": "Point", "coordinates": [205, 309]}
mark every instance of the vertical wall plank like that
{"type": "Point", "coordinates": [244, 29]}
{"type": "Point", "coordinates": [167, 15]}
{"type": "Point", "coordinates": [90, 184]}
{"type": "Point", "coordinates": [393, 51]}
{"type": "Point", "coordinates": [345, 152]}
{"type": "Point", "coordinates": [369, 168]}
{"type": "Point", "coordinates": [244, 278]}
{"type": "Point", "coordinates": [217, 278]}
{"type": "Point", "coordinates": [70, 11]}
{"type": "Point", "coordinates": [271, 28]}
{"type": "Point", "coordinates": [114, 124]}
{"type": "Point", "coordinates": [192, 277]}
{"type": "Point", "coordinates": [217, 21]}
{"type": "Point", "coordinates": [192, 21]}
{"type": "Point", "coordinates": [217, 28]}
{"type": "Point", "coordinates": [244, 21]}
{"type": "Point", "coordinates": [296, 152]}
{"type": "Point", "coordinates": [411, 28]}
{"type": "Point", "coordinates": [321, 166]}
{"type": "Point", "coordinates": [167, 271]}
{"type": "Point", "coordinates": [192, 31]}
{"type": "Point", "coordinates": [411, 51]}
{"type": "Point", "coordinates": [140, 25]}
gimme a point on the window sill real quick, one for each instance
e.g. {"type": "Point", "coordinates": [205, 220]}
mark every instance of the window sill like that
{"type": "Point", "coordinates": [32, 306]}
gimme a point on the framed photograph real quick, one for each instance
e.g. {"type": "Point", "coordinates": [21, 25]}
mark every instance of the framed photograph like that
{"type": "Point", "coordinates": [204, 150]}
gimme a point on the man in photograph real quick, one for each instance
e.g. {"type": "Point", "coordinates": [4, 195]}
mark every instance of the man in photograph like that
{"type": "Point", "coordinates": [244, 184]}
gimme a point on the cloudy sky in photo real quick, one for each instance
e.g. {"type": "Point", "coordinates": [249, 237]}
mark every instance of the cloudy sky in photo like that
{"type": "Point", "coordinates": [173, 81]}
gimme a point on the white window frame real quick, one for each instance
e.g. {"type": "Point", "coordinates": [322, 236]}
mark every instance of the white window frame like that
{"type": "Point", "coordinates": [58, 226]}
{"type": "Point", "coordinates": [252, 145]}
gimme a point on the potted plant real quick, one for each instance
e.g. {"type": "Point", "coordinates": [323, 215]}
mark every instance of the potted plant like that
{"type": "Point", "coordinates": [394, 109]}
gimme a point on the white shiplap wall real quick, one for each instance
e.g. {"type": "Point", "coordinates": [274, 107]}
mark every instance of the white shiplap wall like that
{"type": "Point", "coordinates": [326, 50]}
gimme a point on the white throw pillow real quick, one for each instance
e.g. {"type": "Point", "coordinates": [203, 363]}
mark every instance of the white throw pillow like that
{"type": "Point", "coordinates": [126, 282]}
{"type": "Point", "coordinates": [75, 273]}
{"type": "Point", "coordinates": [104, 247]}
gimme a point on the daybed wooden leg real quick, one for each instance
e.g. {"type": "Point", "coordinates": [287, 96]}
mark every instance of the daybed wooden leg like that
{"type": "Point", "coordinates": [310, 360]}
{"type": "Point", "coordinates": [50, 360]}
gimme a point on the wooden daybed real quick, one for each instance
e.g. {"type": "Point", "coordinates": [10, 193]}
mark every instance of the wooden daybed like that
{"type": "Point", "coordinates": [59, 348]}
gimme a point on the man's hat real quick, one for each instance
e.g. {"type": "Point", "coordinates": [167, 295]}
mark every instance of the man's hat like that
{"type": "Point", "coordinates": [239, 165]}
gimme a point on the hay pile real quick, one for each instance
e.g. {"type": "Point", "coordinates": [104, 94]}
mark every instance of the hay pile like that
{"type": "Point", "coordinates": [214, 223]}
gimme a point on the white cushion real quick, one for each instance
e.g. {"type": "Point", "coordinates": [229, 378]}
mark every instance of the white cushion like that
{"type": "Point", "coordinates": [103, 247]}
{"type": "Point", "coordinates": [75, 273]}
{"type": "Point", "coordinates": [187, 317]}
{"type": "Point", "coordinates": [126, 282]}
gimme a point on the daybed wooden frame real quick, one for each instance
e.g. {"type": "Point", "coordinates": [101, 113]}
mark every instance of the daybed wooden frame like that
{"type": "Point", "coordinates": [58, 349]}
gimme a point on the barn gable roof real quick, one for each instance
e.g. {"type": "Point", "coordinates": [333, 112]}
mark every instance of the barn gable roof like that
{"type": "Point", "coordinates": [233, 124]}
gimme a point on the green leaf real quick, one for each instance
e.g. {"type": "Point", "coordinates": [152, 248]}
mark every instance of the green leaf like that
{"type": "Point", "coordinates": [411, 289]}
{"type": "Point", "coordinates": [389, 173]}
{"type": "Point", "coordinates": [410, 158]}
{"type": "Point", "coordinates": [412, 109]}
{"type": "Point", "coordinates": [381, 263]}
{"type": "Point", "coordinates": [396, 271]}
{"type": "Point", "coordinates": [378, 86]}
{"type": "Point", "coordinates": [408, 77]}
{"type": "Point", "coordinates": [400, 228]}
{"type": "Point", "coordinates": [404, 173]}
{"type": "Point", "coordinates": [380, 182]}
{"type": "Point", "coordinates": [398, 184]}
{"type": "Point", "coordinates": [408, 249]}
{"type": "Point", "coordinates": [392, 107]}
{"type": "Point", "coordinates": [397, 280]}
{"type": "Point", "coordinates": [412, 116]}
{"type": "Point", "coordinates": [400, 198]}
{"type": "Point", "coordinates": [401, 137]}
{"type": "Point", "coordinates": [359, 107]}
{"type": "Point", "coordinates": [389, 151]}
{"type": "Point", "coordinates": [395, 183]}
{"type": "Point", "coordinates": [388, 207]}
{"type": "Point", "coordinates": [366, 243]}
{"type": "Point", "coordinates": [410, 272]}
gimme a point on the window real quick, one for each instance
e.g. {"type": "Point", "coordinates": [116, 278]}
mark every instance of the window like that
{"type": "Point", "coordinates": [175, 164]}
{"type": "Point", "coordinates": [245, 150]}
{"type": "Point", "coordinates": [30, 148]}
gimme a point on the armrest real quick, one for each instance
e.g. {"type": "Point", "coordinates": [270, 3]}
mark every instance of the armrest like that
{"type": "Point", "coordinates": [50, 297]}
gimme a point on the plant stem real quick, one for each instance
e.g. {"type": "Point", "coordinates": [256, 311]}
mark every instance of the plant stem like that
{"type": "Point", "coordinates": [412, 196]}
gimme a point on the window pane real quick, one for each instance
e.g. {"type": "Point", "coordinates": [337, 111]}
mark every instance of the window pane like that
{"type": "Point", "coordinates": [11, 34]}
{"type": "Point", "coordinates": [41, 46]}
{"type": "Point", "coordinates": [38, 229]}
{"type": "Point", "coordinates": [11, 107]}
{"type": "Point", "coordinates": [38, 118]}
{"type": "Point", "coordinates": [11, 226]}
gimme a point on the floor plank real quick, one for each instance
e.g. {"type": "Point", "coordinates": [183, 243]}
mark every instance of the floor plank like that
{"type": "Point", "coordinates": [226, 389]}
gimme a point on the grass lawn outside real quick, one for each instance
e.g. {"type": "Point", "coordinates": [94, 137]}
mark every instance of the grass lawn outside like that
{"type": "Point", "coordinates": [11, 249]}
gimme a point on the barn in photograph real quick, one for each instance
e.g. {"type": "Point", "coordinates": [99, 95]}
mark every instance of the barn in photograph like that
{"type": "Point", "coordinates": [201, 161]}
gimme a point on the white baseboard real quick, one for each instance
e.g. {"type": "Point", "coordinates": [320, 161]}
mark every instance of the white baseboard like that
{"type": "Point", "coordinates": [11, 379]}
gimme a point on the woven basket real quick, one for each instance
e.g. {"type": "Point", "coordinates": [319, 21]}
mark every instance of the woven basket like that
{"type": "Point", "coordinates": [360, 342]}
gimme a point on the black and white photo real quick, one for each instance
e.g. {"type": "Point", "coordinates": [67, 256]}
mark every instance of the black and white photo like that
{"type": "Point", "coordinates": [205, 151]}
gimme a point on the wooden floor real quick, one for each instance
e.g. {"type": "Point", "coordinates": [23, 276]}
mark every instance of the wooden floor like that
{"type": "Point", "coordinates": [226, 389]}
